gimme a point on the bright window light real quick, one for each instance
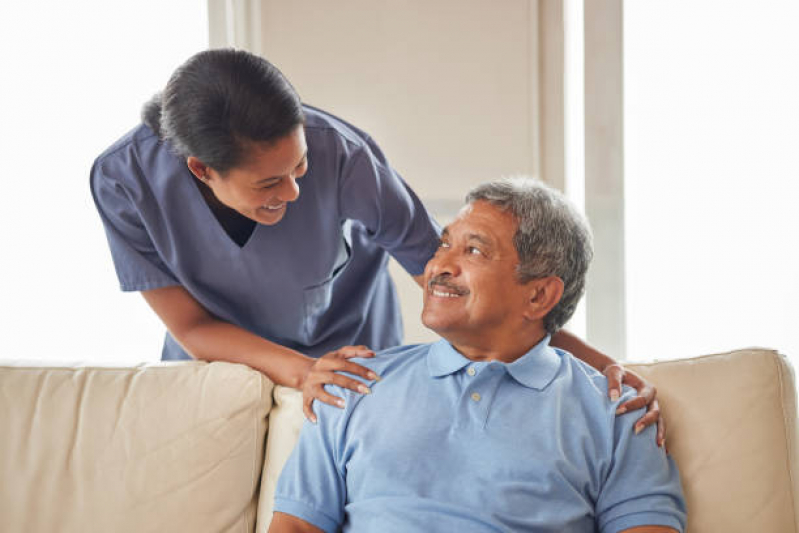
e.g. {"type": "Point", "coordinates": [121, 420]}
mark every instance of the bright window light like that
{"type": "Point", "coordinates": [711, 176]}
{"type": "Point", "coordinates": [75, 75]}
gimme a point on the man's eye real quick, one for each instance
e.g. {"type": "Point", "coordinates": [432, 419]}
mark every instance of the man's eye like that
{"type": "Point", "coordinates": [442, 244]}
{"type": "Point", "coordinates": [473, 250]}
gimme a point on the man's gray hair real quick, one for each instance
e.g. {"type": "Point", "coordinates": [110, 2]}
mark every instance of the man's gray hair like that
{"type": "Point", "coordinates": [552, 239]}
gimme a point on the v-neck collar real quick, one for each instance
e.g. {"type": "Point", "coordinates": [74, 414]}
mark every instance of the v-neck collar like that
{"type": "Point", "coordinates": [200, 197]}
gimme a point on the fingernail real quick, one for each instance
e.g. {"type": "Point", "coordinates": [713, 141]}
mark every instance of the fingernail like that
{"type": "Point", "coordinates": [363, 389]}
{"type": "Point", "coordinates": [663, 444]}
{"type": "Point", "coordinates": [340, 403]}
{"type": "Point", "coordinates": [312, 419]}
{"type": "Point", "coordinates": [614, 395]}
{"type": "Point", "coordinates": [621, 410]}
{"type": "Point", "coordinates": [373, 376]}
{"type": "Point", "coordinates": [638, 429]}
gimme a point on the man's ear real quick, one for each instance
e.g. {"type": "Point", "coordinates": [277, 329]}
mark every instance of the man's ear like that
{"type": "Point", "coordinates": [544, 294]}
{"type": "Point", "coordinates": [200, 170]}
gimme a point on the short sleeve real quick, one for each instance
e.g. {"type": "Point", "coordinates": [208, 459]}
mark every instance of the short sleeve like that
{"type": "Point", "coordinates": [374, 193]}
{"type": "Point", "coordinates": [312, 484]}
{"type": "Point", "coordinates": [642, 486]}
{"type": "Point", "coordinates": [138, 264]}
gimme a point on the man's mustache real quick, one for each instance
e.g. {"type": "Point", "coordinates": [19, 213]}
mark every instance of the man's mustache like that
{"type": "Point", "coordinates": [442, 280]}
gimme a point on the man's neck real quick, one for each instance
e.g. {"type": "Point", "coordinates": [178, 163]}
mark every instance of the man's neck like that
{"type": "Point", "coordinates": [505, 350]}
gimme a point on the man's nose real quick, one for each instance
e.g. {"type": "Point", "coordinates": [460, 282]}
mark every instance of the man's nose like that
{"type": "Point", "coordinates": [445, 262]}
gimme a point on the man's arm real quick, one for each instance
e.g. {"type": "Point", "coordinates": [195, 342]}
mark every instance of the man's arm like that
{"type": "Point", "coordinates": [286, 523]}
{"type": "Point", "coordinates": [641, 490]}
{"type": "Point", "coordinates": [312, 488]}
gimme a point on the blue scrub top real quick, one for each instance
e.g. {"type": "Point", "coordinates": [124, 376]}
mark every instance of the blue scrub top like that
{"type": "Point", "coordinates": [314, 282]}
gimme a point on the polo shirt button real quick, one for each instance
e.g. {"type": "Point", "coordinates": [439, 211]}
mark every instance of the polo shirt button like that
{"type": "Point", "coordinates": [476, 396]}
{"type": "Point", "coordinates": [471, 371]}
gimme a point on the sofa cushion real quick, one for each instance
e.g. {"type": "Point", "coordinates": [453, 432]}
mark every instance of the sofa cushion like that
{"type": "Point", "coordinates": [285, 422]}
{"type": "Point", "coordinates": [167, 447]}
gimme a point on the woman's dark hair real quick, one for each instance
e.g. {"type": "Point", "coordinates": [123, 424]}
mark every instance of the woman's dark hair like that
{"type": "Point", "coordinates": [219, 102]}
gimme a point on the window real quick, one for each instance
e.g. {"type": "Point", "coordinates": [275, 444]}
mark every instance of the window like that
{"type": "Point", "coordinates": [711, 176]}
{"type": "Point", "coordinates": [75, 77]}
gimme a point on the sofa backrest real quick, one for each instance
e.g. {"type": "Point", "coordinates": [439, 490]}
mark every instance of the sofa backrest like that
{"type": "Point", "coordinates": [731, 427]}
{"type": "Point", "coordinates": [150, 449]}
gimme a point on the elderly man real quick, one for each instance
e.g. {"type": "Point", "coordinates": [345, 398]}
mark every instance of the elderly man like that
{"type": "Point", "coordinates": [490, 428]}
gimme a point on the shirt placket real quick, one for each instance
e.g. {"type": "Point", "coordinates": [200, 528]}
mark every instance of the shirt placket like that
{"type": "Point", "coordinates": [481, 383]}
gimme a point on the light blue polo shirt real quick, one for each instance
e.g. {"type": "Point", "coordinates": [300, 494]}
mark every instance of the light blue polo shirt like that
{"type": "Point", "coordinates": [313, 282]}
{"type": "Point", "coordinates": [445, 444]}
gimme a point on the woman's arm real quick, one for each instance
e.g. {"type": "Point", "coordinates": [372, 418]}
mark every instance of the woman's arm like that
{"type": "Point", "coordinates": [207, 338]}
{"type": "Point", "coordinates": [577, 347]}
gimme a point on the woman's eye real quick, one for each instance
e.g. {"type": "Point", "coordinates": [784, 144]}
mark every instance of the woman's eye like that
{"type": "Point", "coordinates": [442, 244]}
{"type": "Point", "coordinates": [473, 250]}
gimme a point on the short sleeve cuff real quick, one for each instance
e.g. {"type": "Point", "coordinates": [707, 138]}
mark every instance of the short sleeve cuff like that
{"type": "Point", "coordinates": [411, 263]}
{"type": "Point", "coordinates": [146, 285]}
{"type": "Point", "coordinates": [306, 513]}
{"type": "Point", "coordinates": [641, 519]}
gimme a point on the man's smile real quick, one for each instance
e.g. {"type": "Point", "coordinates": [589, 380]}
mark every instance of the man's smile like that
{"type": "Point", "coordinates": [443, 289]}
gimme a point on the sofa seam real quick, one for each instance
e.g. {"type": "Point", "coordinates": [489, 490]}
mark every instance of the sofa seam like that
{"type": "Point", "coordinates": [253, 468]}
{"type": "Point", "coordinates": [665, 362]}
{"type": "Point", "coordinates": [788, 438]}
{"type": "Point", "coordinates": [155, 365]}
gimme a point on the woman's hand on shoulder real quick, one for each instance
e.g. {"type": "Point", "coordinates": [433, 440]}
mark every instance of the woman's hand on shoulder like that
{"type": "Point", "coordinates": [326, 370]}
{"type": "Point", "coordinates": [647, 397]}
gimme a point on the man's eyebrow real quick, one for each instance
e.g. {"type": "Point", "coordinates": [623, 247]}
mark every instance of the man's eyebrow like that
{"type": "Point", "coordinates": [472, 237]}
{"type": "Point", "coordinates": [263, 180]}
{"type": "Point", "coordinates": [480, 238]}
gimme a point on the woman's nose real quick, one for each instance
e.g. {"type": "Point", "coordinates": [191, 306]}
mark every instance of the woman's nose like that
{"type": "Point", "coordinates": [290, 190]}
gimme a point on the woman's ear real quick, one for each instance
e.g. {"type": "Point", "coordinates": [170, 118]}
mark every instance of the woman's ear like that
{"type": "Point", "coordinates": [544, 294]}
{"type": "Point", "coordinates": [200, 170]}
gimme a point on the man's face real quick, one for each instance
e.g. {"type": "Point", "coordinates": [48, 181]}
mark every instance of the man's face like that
{"type": "Point", "coordinates": [471, 289]}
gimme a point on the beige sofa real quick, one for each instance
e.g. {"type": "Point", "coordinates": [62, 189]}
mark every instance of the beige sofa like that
{"type": "Point", "coordinates": [185, 446]}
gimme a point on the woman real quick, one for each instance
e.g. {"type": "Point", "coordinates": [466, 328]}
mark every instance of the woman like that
{"type": "Point", "coordinates": [195, 204]}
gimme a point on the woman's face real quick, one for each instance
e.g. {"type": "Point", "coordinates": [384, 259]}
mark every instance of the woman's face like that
{"type": "Point", "coordinates": [261, 188]}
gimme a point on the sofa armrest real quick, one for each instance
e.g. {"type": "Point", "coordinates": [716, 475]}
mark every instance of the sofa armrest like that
{"type": "Point", "coordinates": [731, 427]}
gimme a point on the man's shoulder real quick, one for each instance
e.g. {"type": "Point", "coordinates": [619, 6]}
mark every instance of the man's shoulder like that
{"type": "Point", "coordinates": [589, 385]}
{"type": "Point", "coordinates": [397, 359]}
{"type": "Point", "coordinates": [392, 366]}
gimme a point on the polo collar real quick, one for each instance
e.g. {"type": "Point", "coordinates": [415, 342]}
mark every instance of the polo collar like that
{"type": "Point", "coordinates": [535, 369]}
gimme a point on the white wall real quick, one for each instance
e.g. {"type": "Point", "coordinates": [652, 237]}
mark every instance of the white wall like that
{"type": "Point", "coordinates": [447, 88]}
